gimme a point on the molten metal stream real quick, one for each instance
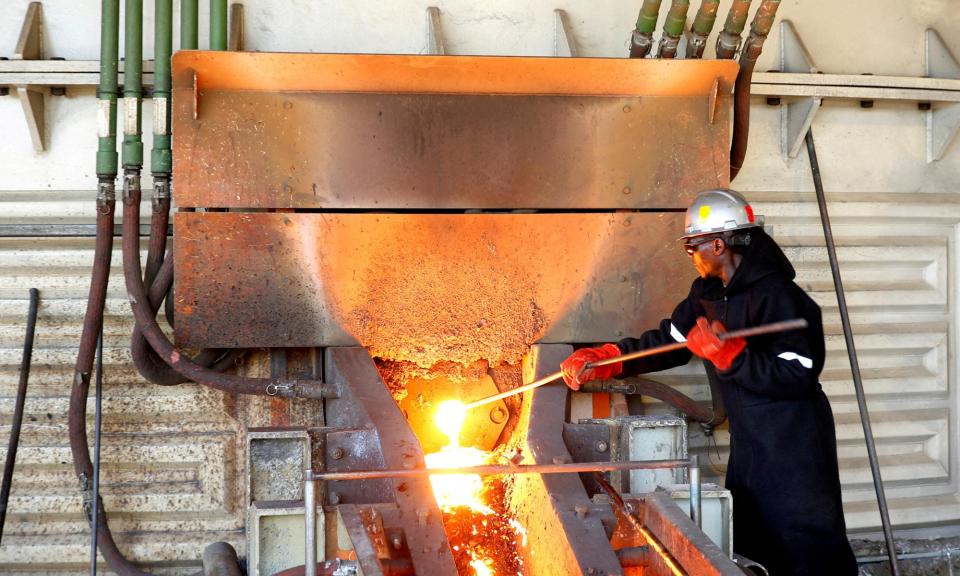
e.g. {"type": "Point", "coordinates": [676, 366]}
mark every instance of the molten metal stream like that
{"type": "Point", "coordinates": [456, 492]}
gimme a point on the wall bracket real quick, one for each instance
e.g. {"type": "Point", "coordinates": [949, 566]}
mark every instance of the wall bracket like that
{"type": "Point", "coordinates": [30, 47]}
{"type": "Point", "coordinates": [795, 117]}
{"type": "Point", "coordinates": [435, 43]}
{"type": "Point", "coordinates": [943, 120]}
{"type": "Point", "coordinates": [563, 42]}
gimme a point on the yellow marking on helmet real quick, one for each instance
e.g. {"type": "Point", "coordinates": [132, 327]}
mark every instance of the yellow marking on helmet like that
{"type": "Point", "coordinates": [704, 212]}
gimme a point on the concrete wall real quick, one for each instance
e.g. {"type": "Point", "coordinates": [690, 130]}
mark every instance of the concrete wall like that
{"type": "Point", "coordinates": [173, 456]}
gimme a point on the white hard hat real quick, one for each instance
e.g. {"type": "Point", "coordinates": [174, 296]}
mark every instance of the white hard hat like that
{"type": "Point", "coordinates": [719, 210]}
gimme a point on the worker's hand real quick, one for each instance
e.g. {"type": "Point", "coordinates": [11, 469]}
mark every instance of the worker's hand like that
{"type": "Point", "coordinates": [576, 373]}
{"type": "Point", "coordinates": [704, 341]}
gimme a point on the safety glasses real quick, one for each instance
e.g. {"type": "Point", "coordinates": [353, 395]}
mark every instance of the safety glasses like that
{"type": "Point", "coordinates": [694, 244]}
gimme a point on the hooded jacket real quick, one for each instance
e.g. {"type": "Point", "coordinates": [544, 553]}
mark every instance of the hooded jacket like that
{"type": "Point", "coordinates": [782, 470]}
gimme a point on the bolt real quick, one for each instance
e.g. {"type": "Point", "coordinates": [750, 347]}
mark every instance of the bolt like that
{"type": "Point", "coordinates": [336, 453]}
{"type": "Point", "coordinates": [287, 104]}
{"type": "Point", "coordinates": [334, 498]}
{"type": "Point", "coordinates": [498, 415]}
{"type": "Point", "coordinates": [601, 446]}
{"type": "Point", "coordinates": [423, 515]}
{"type": "Point", "coordinates": [626, 109]}
{"type": "Point", "coordinates": [396, 542]}
{"type": "Point", "coordinates": [581, 511]}
{"type": "Point", "coordinates": [626, 190]}
{"type": "Point", "coordinates": [773, 100]}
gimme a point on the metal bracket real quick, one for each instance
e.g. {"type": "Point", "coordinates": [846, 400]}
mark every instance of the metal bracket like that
{"type": "Point", "coordinates": [30, 47]}
{"type": "Point", "coordinates": [795, 117]}
{"type": "Point", "coordinates": [563, 42]}
{"type": "Point", "coordinates": [943, 121]}
{"type": "Point", "coordinates": [235, 37]}
{"type": "Point", "coordinates": [434, 33]}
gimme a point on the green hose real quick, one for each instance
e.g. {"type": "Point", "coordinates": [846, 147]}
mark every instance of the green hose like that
{"type": "Point", "coordinates": [188, 24]}
{"type": "Point", "coordinates": [132, 84]}
{"type": "Point", "coordinates": [649, 12]}
{"type": "Point", "coordinates": [218, 24]}
{"type": "Point", "coordinates": [160, 157]}
{"type": "Point", "coordinates": [676, 18]}
{"type": "Point", "coordinates": [706, 16]}
{"type": "Point", "coordinates": [107, 90]}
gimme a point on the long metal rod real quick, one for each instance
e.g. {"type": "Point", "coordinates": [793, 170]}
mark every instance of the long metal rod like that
{"type": "Point", "coordinates": [97, 420]}
{"type": "Point", "coordinates": [852, 353]}
{"type": "Point", "coordinates": [310, 523]}
{"type": "Point", "coordinates": [772, 328]}
{"type": "Point", "coordinates": [14, 441]}
{"type": "Point", "coordinates": [693, 477]}
{"type": "Point", "coordinates": [493, 469]}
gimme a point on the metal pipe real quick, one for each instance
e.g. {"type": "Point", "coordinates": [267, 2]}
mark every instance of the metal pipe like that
{"type": "Point", "coordinates": [218, 24]}
{"type": "Point", "coordinates": [696, 503]}
{"type": "Point", "coordinates": [494, 469]}
{"type": "Point", "coordinates": [852, 353]}
{"type": "Point", "coordinates": [14, 442]}
{"type": "Point", "coordinates": [161, 161]}
{"type": "Point", "coordinates": [673, 28]}
{"type": "Point", "coordinates": [139, 302]}
{"type": "Point", "coordinates": [728, 42]}
{"type": "Point", "coordinates": [107, 90]}
{"type": "Point", "coordinates": [97, 422]}
{"type": "Point", "coordinates": [310, 523]}
{"type": "Point", "coordinates": [189, 17]}
{"type": "Point", "coordinates": [145, 359]}
{"type": "Point", "coordinates": [759, 29]}
{"type": "Point", "coordinates": [93, 317]}
{"type": "Point", "coordinates": [642, 39]}
{"type": "Point", "coordinates": [771, 328]}
{"type": "Point", "coordinates": [132, 150]}
{"type": "Point", "coordinates": [702, 27]}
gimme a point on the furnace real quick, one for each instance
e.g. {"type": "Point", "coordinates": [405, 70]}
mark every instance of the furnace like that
{"type": "Point", "coordinates": [445, 228]}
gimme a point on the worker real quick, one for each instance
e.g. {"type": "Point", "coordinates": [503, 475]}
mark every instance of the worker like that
{"type": "Point", "coordinates": [782, 471]}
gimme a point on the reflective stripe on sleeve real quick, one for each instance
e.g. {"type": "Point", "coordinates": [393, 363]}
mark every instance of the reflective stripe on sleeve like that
{"type": "Point", "coordinates": [803, 360]}
{"type": "Point", "coordinates": [676, 334]}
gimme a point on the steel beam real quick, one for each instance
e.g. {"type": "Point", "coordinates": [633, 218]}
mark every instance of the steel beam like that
{"type": "Point", "coordinates": [555, 508]}
{"type": "Point", "coordinates": [364, 402]}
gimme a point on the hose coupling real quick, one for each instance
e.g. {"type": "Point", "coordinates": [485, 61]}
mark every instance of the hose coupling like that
{"type": "Point", "coordinates": [131, 185]}
{"type": "Point", "coordinates": [728, 45]}
{"type": "Point", "coordinates": [161, 188]}
{"type": "Point", "coordinates": [86, 490]}
{"type": "Point", "coordinates": [313, 389]}
{"type": "Point", "coordinates": [640, 44]}
{"type": "Point", "coordinates": [106, 196]}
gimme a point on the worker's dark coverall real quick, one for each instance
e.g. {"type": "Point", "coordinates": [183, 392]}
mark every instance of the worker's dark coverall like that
{"type": "Point", "coordinates": [782, 471]}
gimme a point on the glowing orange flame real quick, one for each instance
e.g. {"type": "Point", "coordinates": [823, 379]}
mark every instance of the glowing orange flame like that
{"type": "Point", "coordinates": [453, 490]}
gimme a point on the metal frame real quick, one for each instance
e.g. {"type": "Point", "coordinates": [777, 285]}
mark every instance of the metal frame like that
{"type": "Point", "coordinates": [800, 80]}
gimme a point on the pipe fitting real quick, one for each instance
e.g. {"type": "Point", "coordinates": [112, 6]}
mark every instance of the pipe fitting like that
{"type": "Point", "coordinates": [640, 44]}
{"type": "Point", "coordinates": [131, 186]}
{"type": "Point", "coordinates": [106, 196]}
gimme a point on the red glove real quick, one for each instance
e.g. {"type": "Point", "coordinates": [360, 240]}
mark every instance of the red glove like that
{"type": "Point", "coordinates": [573, 370]}
{"type": "Point", "coordinates": [703, 340]}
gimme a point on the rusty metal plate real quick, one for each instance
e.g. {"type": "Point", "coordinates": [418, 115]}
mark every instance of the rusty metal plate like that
{"type": "Point", "coordinates": [315, 131]}
{"type": "Point", "coordinates": [424, 288]}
